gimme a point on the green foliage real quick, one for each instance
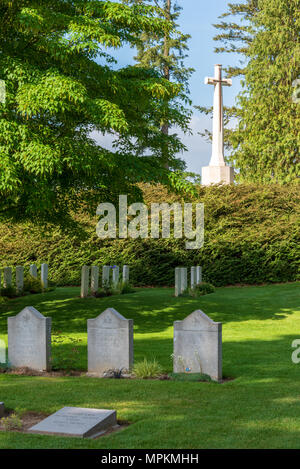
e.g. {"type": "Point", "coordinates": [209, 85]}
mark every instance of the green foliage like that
{"type": "Point", "coordinates": [265, 144]}
{"type": "Point", "coordinates": [267, 141]}
{"type": "Point", "coordinates": [57, 94]}
{"type": "Point", "coordinates": [147, 369]}
{"type": "Point", "coordinates": [12, 422]}
{"type": "Point", "coordinates": [8, 292]}
{"type": "Point", "coordinates": [251, 236]}
{"type": "Point", "coordinates": [32, 285]}
{"type": "Point", "coordinates": [202, 288]}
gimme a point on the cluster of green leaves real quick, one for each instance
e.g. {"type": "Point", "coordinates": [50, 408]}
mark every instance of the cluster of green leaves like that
{"type": "Point", "coordinates": [60, 86]}
{"type": "Point", "coordinates": [251, 236]}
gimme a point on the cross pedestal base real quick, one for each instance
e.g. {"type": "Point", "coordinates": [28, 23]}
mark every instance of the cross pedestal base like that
{"type": "Point", "coordinates": [217, 175]}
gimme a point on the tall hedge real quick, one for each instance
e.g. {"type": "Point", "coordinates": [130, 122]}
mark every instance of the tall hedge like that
{"type": "Point", "coordinates": [252, 235]}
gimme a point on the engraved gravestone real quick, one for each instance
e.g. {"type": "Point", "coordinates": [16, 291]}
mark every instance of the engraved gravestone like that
{"type": "Point", "coordinates": [115, 275]}
{"type": "Point", "coordinates": [33, 270]}
{"type": "Point", "coordinates": [105, 275]}
{"type": "Point", "coordinates": [85, 275]}
{"type": "Point", "coordinates": [76, 421]}
{"type": "Point", "coordinates": [29, 340]}
{"type": "Point", "coordinates": [19, 278]}
{"type": "Point", "coordinates": [198, 345]}
{"type": "Point", "coordinates": [94, 278]}
{"type": "Point", "coordinates": [110, 342]}
{"type": "Point", "coordinates": [125, 277]}
{"type": "Point", "coordinates": [7, 277]}
{"type": "Point", "coordinates": [44, 275]}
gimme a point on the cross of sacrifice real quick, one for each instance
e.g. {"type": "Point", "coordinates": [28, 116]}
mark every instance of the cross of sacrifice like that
{"type": "Point", "coordinates": [217, 158]}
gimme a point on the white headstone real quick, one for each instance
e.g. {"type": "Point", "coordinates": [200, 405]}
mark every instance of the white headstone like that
{"type": "Point", "coordinates": [177, 281]}
{"type": "Point", "coordinates": [199, 274]}
{"type": "Point", "coordinates": [115, 275]}
{"type": "Point", "coordinates": [76, 421]}
{"type": "Point", "coordinates": [198, 346]}
{"type": "Point", "coordinates": [125, 277]}
{"type": "Point", "coordinates": [7, 277]}
{"type": "Point", "coordinates": [94, 278]}
{"type": "Point", "coordinates": [110, 342]}
{"type": "Point", "coordinates": [184, 282]}
{"type": "Point", "coordinates": [193, 277]}
{"type": "Point", "coordinates": [105, 276]}
{"type": "Point", "coordinates": [19, 278]}
{"type": "Point", "coordinates": [217, 171]}
{"type": "Point", "coordinates": [85, 275]}
{"type": "Point", "coordinates": [29, 340]}
{"type": "Point", "coordinates": [33, 270]}
{"type": "Point", "coordinates": [44, 275]}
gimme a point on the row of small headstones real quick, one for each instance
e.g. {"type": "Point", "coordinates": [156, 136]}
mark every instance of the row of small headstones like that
{"type": "Point", "coordinates": [181, 278]}
{"type": "Point", "coordinates": [19, 276]}
{"type": "Point", "coordinates": [197, 343]}
{"type": "Point", "coordinates": [90, 276]}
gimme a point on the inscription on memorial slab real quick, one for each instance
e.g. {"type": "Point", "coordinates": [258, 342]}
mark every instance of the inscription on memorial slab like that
{"type": "Point", "coordinates": [198, 345]}
{"type": "Point", "coordinates": [110, 342]}
{"type": "Point", "coordinates": [29, 340]}
{"type": "Point", "coordinates": [76, 421]}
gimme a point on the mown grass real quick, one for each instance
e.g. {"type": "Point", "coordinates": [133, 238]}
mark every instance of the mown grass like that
{"type": "Point", "coordinates": [260, 408]}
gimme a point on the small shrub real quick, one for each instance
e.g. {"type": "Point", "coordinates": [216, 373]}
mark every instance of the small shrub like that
{"type": "Point", "coordinates": [9, 292]}
{"type": "Point", "coordinates": [13, 422]}
{"type": "Point", "coordinates": [203, 288]}
{"type": "Point", "coordinates": [103, 292]}
{"type": "Point", "coordinates": [32, 285]}
{"type": "Point", "coordinates": [147, 369]}
{"type": "Point", "coordinates": [126, 288]}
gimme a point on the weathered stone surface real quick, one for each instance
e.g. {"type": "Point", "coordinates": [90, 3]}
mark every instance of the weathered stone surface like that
{"type": "Point", "coordinates": [198, 345]}
{"type": "Point", "coordinates": [29, 340]}
{"type": "Point", "coordinates": [19, 278]}
{"type": "Point", "coordinates": [177, 281]}
{"type": "Point", "coordinates": [199, 274]}
{"type": "Point", "coordinates": [217, 175]}
{"type": "Point", "coordinates": [115, 275]}
{"type": "Point", "coordinates": [85, 276]}
{"type": "Point", "coordinates": [94, 278]}
{"type": "Point", "coordinates": [110, 342]}
{"type": "Point", "coordinates": [2, 409]}
{"type": "Point", "coordinates": [44, 275]}
{"type": "Point", "coordinates": [184, 282]}
{"type": "Point", "coordinates": [76, 421]}
{"type": "Point", "coordinates": [105, 275]}
{"type": "Point", "coordinates": [193, 277]}
{"type": "Point", "coordinates": [33, 270]}
{"type": "Point", "coordinates": [7, 277]}
{"type": "Point", "coordinates": [125, 277]}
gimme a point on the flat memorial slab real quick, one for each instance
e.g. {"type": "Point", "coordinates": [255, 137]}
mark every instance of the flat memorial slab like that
{"type": "Point", "coordinates": [76, 421]}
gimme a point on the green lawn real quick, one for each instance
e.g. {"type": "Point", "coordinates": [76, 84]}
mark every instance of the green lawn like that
{"type": "Point", "coordinates": [260, 408]}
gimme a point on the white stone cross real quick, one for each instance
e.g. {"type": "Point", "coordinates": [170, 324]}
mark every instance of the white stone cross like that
{"type": "Point", "coordinates": [217, 157]}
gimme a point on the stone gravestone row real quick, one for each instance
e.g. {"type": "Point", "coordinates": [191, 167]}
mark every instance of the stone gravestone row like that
{"type": "Point", "coordinates": [19, 277]}
{"type": "Point", "coordinates": [93, 272]}
{"type": "Point", "coordinates": [197, 343]}
{"type": "Point", "coordinates": [181, 278]}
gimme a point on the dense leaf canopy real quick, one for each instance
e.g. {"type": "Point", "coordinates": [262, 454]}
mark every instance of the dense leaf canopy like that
{"type": "Point", "coordinates": [61, 84]}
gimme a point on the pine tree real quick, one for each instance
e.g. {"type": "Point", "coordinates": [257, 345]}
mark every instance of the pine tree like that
{"type": "Point", "coordinates": [167, 55]}
{"type": "Point", "coordinates": [265, 145]}
{"type": "Point", "coordinates": [267, 141]}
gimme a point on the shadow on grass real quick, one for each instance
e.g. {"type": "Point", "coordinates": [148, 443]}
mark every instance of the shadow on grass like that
{"type": "Point", "coordinates": [155, 310]}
